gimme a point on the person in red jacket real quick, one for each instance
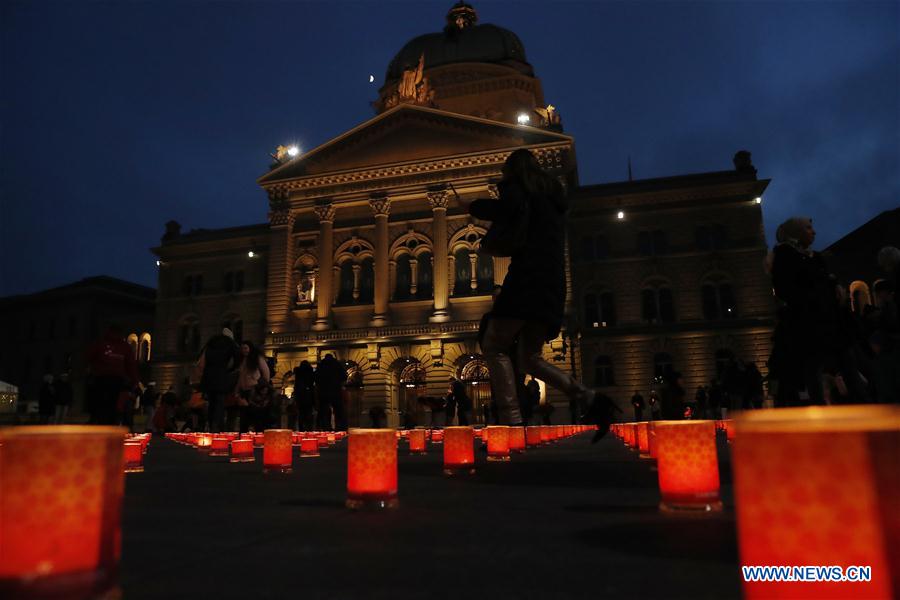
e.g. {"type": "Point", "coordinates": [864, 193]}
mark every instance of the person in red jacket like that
{"type": "Point", "coordinates": [112, 368]}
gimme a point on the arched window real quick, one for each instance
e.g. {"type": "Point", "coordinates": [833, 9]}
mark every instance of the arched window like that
{"type": "Point", "coordinates": [724, 358]}
{"type": "Point", "coordinates": [463, 268]}
{"type": "Point", "coordinates": [144, 349]}
{"type": "Point", "coordinates": [345, 296]}
{"type": "Point", "coordinates": [718, 300]}
{"type": "Point", "coordinates": [657, 304]}
{"type": "Point", "coordinates": [425, 288]}
{"type": "Point", "coordinates": [367, 281]}
{"type": "Point", "coordinates": [662, 365]}
{"type": "Point", "coordinates": [485, 274]}
{"type": "Point", "coordinates": [132, 340]}
{"type": "Point", "coordinates": [599, 310]}
{"type": "Point", "coordinates": [603, 372]}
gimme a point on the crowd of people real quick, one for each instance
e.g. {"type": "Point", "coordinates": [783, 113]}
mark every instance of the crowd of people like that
{"type": "Point", "coordinates": [824, 351]}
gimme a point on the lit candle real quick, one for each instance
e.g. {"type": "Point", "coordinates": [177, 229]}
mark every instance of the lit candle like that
{"type": "Point", "coordinates": [242, 451]}
{"type": "Point", "coordinates": [309, 447]}
{"type": "Point", "coordinates": [204, 442]}
{"type": "Point", "coordinates": [517, 439]}
{"type": "Point", "coordinates": [688, 465]}
{"type": "Point", "coordinates": [60, 510]}
{"type": "Point", "coordinates": [277, 451]}
{"type": "Point", "coordinates": [533, 436]}
{"type": "Point", "coordinates": [437, 436]}
{"type": "Point", "coordinates": [819, 486]}
{"type": "Point", "coordinates": [459, 450]}
{"type": "Point", "coordinates": [219, 446]}
{"type": "Point", "coordinates": [498, 443]}
{"type": "Point", "coordinates": [134, 457]}
{"type": "Point", "coordinates": [417, 443]}
{"type": "Point", "coordinates": [372, 468]}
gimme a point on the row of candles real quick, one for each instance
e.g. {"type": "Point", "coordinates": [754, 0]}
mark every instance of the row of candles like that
{"type": "Point", "coordinates": [372, 453]}
{"type": "Point", "coordinates": [816, 486]}
{"type": "Point", "coordinates": [813, 486]}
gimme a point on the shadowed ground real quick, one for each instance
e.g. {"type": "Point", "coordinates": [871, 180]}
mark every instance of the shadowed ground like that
{"type": "Point", "coordinates": [571, 520]}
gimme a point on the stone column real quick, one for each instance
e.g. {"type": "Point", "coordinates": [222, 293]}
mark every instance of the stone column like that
{"type": "Point", "coordinates": [280, 295]}
{"type": "Point", "coordinates": [326, 260]}
{"type": "Point", "coordinates": [438, 200]}
{"type": "Point", "coordinates": [381, 207]}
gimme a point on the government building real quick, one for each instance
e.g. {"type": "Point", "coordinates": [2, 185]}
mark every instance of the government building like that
{"type": "Point", "coordinates": [368, 255]}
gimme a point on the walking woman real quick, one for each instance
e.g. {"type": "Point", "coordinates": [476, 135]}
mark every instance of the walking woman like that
{"type": "Point", "coordinates": [253, 371]}
{"type": "Point", "coordinates": [529, 308]}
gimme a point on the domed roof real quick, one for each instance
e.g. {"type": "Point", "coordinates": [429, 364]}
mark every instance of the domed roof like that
{"type": "Point", "coordinates": [461, 41]}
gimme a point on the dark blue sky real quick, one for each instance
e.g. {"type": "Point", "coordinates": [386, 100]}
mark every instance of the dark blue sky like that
{"type": "Point", "coordinates": [117, 116]}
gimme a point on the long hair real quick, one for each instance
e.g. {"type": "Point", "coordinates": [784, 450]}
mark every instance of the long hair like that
{"type": "Point", "coordinates": [251, 363]}
{"type": "Point", "coordinates": [523, 167]}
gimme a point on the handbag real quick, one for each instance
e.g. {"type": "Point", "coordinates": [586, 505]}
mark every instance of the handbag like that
{"type": "Point", "coordinates": [509, 234]}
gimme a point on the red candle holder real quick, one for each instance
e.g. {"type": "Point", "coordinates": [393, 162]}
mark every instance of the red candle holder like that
{"type": "Point", "coordinates": [545, 434]}
{"type": "Point", "coordinates": [259, 440]}
{"type": "Point", "coordinates": [819, 486]}
{"type": "Point", "coordinates": [278, 454]}
{"type": "Point", "coordinates": [133, 454]}
{"type": "Point", "coordinates": [204, 442]}
{"type": "Point", "coordinates": [478, 433]}
{"type": "Point", "coordinates": [643, 439]}
{"type": "Point", "coordinates": [459, 450]}
{"type": "Point", "coordinates": [630, 435]}
{"type": "Point", "coordinates": [532, 436]}
{"type": "Point", "coordinates": [372, 469]}
{"type": "Point", "coordinates": [498, 443]}
{"type": "Point", "coordinates": [517, 439]}
{"type": "Point", "coordinates": [417, 443]}
{"type": "Point", "coordinates": [651, 439]}
{"type": "Point", "coordinates": [309, 447]}
{"type": "Point", "coordinates": [688, 465]}
{"type": "Point", "coordinates": [219, 446]}
{"type": "Point", "coordinates": [61, 493]}
{"type": "Point", "coordinates": [242, 451]}
{"type": "Point", "coordinates": [437, 436]}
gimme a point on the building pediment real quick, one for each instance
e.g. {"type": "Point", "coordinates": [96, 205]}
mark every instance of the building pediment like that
{"type": "Point", "coordinates": [409, 133]}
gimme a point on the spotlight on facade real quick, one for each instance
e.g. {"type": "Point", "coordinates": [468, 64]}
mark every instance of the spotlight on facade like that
{"type": "Point", "coordinates": [157, 263]}
{"type": "Point", "coordinates": [758, 200]}
{"type": "Point", "coordinates": [251, 254]}
{"type": "Point", "coordinates": [523, 119]}
{"type": "Point", "coordinates": [293, 151]}
{"type": "Point", "coordinates": [620, 215]}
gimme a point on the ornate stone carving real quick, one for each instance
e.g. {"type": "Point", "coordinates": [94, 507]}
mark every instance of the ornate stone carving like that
{"type": "Point", "coordinates": [279, 218]}
{"type": "Point", "coordinates": [493, 191]}
{"type": "Point", "coordinates": [438, 199]}
{"type": "Point", "coordinates": [278, 199]}
{"type": "Point", "coordinates": [325, 213]}
{"type": "Point", "coordinates": [381, 205]}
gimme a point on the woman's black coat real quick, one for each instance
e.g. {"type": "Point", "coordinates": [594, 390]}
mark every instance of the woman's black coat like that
{"type": "Point", "coordinates": [535, 285]}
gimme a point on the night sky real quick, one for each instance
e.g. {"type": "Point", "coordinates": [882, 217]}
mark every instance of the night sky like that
{"type": "Point", "coordinates": [116, 117]}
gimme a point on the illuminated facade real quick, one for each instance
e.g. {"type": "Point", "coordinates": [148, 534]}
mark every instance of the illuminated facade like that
{"type": "Point", "coordinates": [368, 255]}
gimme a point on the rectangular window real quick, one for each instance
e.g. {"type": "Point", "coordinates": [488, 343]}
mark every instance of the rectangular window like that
{"type": "Point", "coordinates": [660, 242]}
{"type": "Point", "coordinates": [726, 297]}
{"type": "Point", "coordinates": [710, 302]}
{"type": "Point", "coordinates": [228, 282]}
{"type": "Point", "coordinates": [239, 281]}
{"type": "Point", "coordinates": [645, 243]}
{"type": "Point", "coordinates": [601, 247]}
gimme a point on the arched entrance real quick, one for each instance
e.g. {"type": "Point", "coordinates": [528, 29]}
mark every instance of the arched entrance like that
{"type": "Point", "coordinates": [353, 396]}
{"type": "Point", "coordinates": [411, 379]}
{"type": "Point", "coordinates": [475, 375]}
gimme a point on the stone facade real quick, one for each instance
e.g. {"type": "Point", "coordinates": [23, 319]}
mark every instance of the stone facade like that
{"type": "Point", "coordinates": [369, 255]}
